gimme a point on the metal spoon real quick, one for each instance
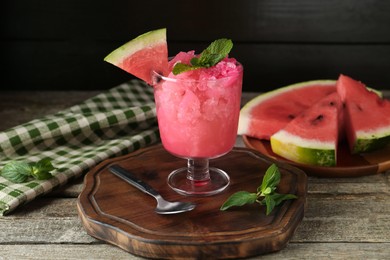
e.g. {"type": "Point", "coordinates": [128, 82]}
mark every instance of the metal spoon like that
{"type": "Point", "coordinates": [163, 206]}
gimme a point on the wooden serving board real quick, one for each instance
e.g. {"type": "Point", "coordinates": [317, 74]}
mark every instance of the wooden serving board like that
{"type": "Point", "coordinates": [116, 212]}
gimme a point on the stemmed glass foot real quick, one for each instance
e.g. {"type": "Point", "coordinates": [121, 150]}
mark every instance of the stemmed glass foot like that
{"type": "Point", "coordinates": [198, 179]}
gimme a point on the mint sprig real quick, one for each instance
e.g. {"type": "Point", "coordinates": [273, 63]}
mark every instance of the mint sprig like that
{"type": "Point", "coordinates": [213, 54]}
{"type": "Point", "coordinates": [265, 194]}
{"type": "Point", "coordinates": [21, 171]}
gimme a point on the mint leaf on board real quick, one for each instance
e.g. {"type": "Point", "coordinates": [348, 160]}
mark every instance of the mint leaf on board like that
{"type": "Point", "coordinates": [265, 194]}
{"type": "Point", "coordinates": [238, 199]}
{"type": "Point", "coordinates": [271, 178]}
{"type": "Point", "coordinates": [269, 203]}
{"type": "Point", "coordinates": [209, 57]}
{"type": "Point", "coordinates": [279, 198]}
{"type": "Point", "coordinates": [21, 171]}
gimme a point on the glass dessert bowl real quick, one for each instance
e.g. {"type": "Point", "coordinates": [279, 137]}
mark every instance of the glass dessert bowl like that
{"type": "Point", "coordinates": [197, 113]}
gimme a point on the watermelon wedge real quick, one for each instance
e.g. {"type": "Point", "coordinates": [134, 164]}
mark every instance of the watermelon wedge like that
{"type": "Point", "coordinates": [367, 116]}
{"type": "Point", "coordinates": [143, 55]}
{"type": "Point", "coordinates": [312, 137]}
{"type": "Point", "coordinates": [268, 113]}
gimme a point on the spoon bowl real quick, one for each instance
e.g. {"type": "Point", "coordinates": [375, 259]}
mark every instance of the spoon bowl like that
{"type": "Point", "coordinates": [163, 206]}
{"type": "Point", "coordinates": [167, 207]}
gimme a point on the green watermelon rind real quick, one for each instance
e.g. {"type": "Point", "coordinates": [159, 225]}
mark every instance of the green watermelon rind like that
{"type": "Point", "coordinates": [371, 141]}
{"type": "Point", "coordinates": [151, 38]}
{"type": "Point", "coordinates": [246, 109]}
{"type": "Point", "coordinates": [303, 151]}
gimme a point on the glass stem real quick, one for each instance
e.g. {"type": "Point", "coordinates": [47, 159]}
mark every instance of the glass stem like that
{"type": "Point", "coordinates": [198, 170]}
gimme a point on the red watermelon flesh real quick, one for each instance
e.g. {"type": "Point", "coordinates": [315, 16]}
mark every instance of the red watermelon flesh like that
{"type": "Point", "coordinates": [143, 55]}
{"type": "Point", "coordinates": [321, 122]}
{"type": "Point", "coordinates": [268, 113]}
{"type": "Point", "coordinates": [367, 116]}
{"type": "Point", "coordinates": [143, 62]}
{"type": "Point", "coordinates": [312, 137]}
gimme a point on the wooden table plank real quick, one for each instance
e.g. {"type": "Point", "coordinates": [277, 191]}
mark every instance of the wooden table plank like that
{"type": "Point", "coordinates": [335, 251]}
{"type": "Point", "coordinates": [335, 218]}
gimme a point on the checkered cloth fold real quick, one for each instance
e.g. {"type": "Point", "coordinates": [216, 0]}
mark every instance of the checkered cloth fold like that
{"type": "Point", "coordinates": [110, 124]}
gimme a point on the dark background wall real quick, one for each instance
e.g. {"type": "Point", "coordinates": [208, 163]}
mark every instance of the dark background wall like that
{"type": "Point", "coordinates": [60, 44]}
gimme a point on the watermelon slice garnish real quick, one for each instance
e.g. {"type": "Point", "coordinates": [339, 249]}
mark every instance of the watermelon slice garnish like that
{"type": "Point", "coordinates": [143, 55]}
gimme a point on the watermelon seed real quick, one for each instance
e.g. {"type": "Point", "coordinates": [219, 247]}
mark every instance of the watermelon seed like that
{"type": "Point", "coordinates": [317, 119]}
{"type": "Point", "coordinates": [290, 116]}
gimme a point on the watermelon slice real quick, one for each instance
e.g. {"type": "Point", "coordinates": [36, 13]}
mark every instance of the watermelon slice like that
{"type": "Point", "coordinates": [268, 113]}
{"type": "Point", "coordinates": [367, 116]}
{"type": "Point", "coordinates": [312, 137]}
{"type": "Point", "coordinates": [143, 55]}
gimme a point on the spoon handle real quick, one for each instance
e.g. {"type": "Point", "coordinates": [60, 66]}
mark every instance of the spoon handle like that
{"type": "Point", "coordinates": [131, 179]}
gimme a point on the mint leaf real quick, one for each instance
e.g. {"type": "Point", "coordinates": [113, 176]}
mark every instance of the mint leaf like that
{"type": "Point", "coordinates": [273, 200]}
{"type": "Point", "coordinates": [181, 67]}
{"type": "Point", "coordinates": [42, 175]}
{"type": "Point", "coordinates": [16, 171]}
{"type": "Point", "coordinates": [265, 195]}
{"type": "Point", "coordinates": [209, 57]}
{"type": "Point", "coordinates": [195, 62]}
{"type": "Point", "coordinates": [238, 199]}
{"type": "Point", "coordinates": [279, 198]}
{"type": "Point", "coordinates": [267, 191]}
{"type": "Point", "coordinates": [41, 169]}
{"type": "Point", "coordinates": [45, 165]}
{"type": "Point", "coordinates": [215, 52]}
{"type": "Point", "coordinates": [271, 178]}
{"type": "Point", "coordinates": [270, 204]}
{"type": "Point", "coordinates": [20, 171]}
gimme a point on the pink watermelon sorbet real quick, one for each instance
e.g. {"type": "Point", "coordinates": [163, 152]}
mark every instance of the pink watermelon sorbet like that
{"type": "Point", "coordinates": [198, 110]}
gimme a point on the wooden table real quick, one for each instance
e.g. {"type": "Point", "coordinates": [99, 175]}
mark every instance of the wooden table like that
{"type": "Point", "coordinates": [345, 217]}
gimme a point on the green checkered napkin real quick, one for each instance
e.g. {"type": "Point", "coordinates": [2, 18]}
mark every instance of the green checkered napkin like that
{"type": "Point", "coordinates": [76, 139]}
